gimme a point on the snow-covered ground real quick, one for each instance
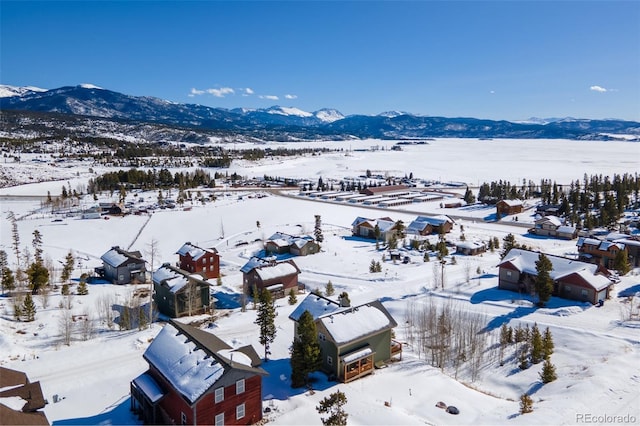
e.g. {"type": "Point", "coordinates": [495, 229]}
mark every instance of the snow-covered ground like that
{"type": "Point", "coordinates": [597, 354]}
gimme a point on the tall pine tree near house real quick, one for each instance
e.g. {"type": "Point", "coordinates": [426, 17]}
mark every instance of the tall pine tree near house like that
{"type": "Point", "coordinates": [305, 352]}
{"type": "Point", "coordinates": [537, 345]}
{"type": "Point", "coordinates": [547, 343]}
{"type": "Point", "coordinates": [266, 321]}
{"type": "Point", "coordinates": [508, 242]}
{"type": "Point", "coordinates": [621, 262]}
{"type": "Point", "coordinates": [29, 308]}
{"type": "Point", "coordinates": [67, 268]}
{"type": "Point", "coordinates": [543, 282]}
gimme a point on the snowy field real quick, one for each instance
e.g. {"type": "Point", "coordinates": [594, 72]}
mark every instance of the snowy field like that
{"type": "Point", "coordinates": [597, 353]}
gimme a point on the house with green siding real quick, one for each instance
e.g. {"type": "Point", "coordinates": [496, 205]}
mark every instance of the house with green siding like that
{"type": "Point", "coordinates": [354, 340]}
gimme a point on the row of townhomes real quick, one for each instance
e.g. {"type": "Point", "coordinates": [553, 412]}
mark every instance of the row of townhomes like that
{"type": "Point", "coordinates": [386, 227]}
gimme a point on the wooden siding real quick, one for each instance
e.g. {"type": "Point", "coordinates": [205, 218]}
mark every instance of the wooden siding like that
{"type": "Point", "coordinates": [208, 265]}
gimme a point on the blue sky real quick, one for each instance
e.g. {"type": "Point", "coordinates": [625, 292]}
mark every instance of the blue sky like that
{"type": "Point", "coordinates": [498, 60]}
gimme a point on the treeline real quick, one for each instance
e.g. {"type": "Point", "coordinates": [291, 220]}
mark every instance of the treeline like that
{"type": "Point", "coordinates": [150, 179]}
{"type": "Point", "coordinates": [596, 200]}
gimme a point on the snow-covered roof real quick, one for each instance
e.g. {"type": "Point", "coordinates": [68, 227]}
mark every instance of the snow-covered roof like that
{"type": "Point", "coordinates": [116, 256]}
{"type": "Point", "coordinates": [470, 245]}
{"type": "Point", "coordinates": [316, 305]}
{"type": "Point", "coordinates": [148, 385]}
{"type": "Point", "coordinates": [434, 220]}
{"type": "Point", "coordinates": [278, 270]}
{"type": "Point", "coordinates": [173, 277]}
{"type": "Point", "coordinates": [194, 252]}
{"type": "Point", "coordinates": [252, 263]}
{"type": "Point", "coordinates": [555, 220]}
{"type": "Point", "coordinates": [356, 355]}
{"type": "Point", "coordinates": [566, 229]}
{"type": "Point", "coordinates": [512, 203]}
{"type": "Point", "coordinates": [525, 261]}
{"type": "Point", "coordinates": [189, 369]}
{"type": "Point", "coordinates": [357, 322]}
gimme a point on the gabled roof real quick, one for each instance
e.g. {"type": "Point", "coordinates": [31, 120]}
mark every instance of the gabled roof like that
{"type": "Point", "coordinates": [190, 360]}
{"type": "Point", "coordinates": [193, 251]}
{"type": "Point", "coordinates": [511, 203]}
{"type": "Point", "coordinates": [354, 323]}
{"type": "Point", "coordinates": [555, 220]}
{"type": "Point", "coordinates": [175, 278]}
{"type": "Point", "coordinates": [525, 261]}
{"type": "Point", "coordinates": [117, 256]}
{"type": "Point", "coordinates": [345, 324]}
{"type": "Point", "coordinates": [269, 268]}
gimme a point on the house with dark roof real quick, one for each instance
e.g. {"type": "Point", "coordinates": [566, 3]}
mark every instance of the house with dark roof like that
{"type": "Point", "coordinates": [281, 243]}
{"type": "Point", "coordinates": [179, 293]}
{"type": "Point", "coordinates": [20, 399]}
{"type": "Point", "coordinates": [366, 228]}
{"type": "Point", "coordinates": [204, 261]}
{"type": "Point", "coordinates": [354, 340]}
{"type": "Point", "coordinates": [196, 378]}
{"type": "Point", "coordinates": [600, 252]}
{"type": "Point", "coordinates": [122, 267]}
{"type": "Point", "coordinates": [572, 279]}
{"type": "Point", "coordinates": [278, 277]}
{"type": "Point", "coordinates": [386, 190]}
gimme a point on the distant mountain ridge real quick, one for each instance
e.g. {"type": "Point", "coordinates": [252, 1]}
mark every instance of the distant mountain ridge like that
{"type": "Point", "coordinates": [289, 123]}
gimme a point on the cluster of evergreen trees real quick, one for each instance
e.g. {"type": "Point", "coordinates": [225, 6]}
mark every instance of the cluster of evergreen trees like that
{"type": "Point", "coordinates": [150, 179]}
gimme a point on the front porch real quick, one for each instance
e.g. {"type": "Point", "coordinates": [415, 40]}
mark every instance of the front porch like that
{"type": "Point", "coordinates": [357, 364]}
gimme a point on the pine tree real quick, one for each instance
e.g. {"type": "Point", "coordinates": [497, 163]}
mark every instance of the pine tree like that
{"type": "Point", "coordinates": [65, 289]}
{"type": "Point", "coordinates": [29, 308]}
{"type": "Point", "coordinates": [547, 343]}
{"type": "Point", "coordinates": [67, 268]}
{"type": "Point", "coordinates": [266, 321]}
{"type": "Point", "coordinates": [537, 346]}
{"type": "Point", "coordinates": [543, 282]}
{"type": "Point", "coordinates": [523, 358]}
{"type": "Point", "coordinates": [332, 405]}
{"type": "Point", "coordinates": [317, 232]}
{"type": "Point", "coordinates": [292, 297]}
{"type": "Point", "coordinates": [38, 276]}
{"type": "Point", "coordinates": [305, 353]}
{"type": "Point", "coordinates": [508, 242]}
{"type": "Point", "coordinates": [37, 246]}
{"type": "Point", "coordinates": [372, 266]}
{"type": "Point", "coordinates": [8, 280]}
{"type": "Point", "coordinates": [329, 290]}
{"type": "Point", "coordinates": [83, 290]}
{"type": "Point", "coordinates": [548, 373]}
{"type": "Point", "coordinates": [526, 404]}
{"type": "Point", "coordinates": [621, 262]}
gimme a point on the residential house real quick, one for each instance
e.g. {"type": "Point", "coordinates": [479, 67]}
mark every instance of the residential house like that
{"type": "Point", "coordinates": [427, 225]}
{"type": "Point", "coordinates": [281, 243]}
{"type": "Point", "coordinates": [179, 293]}
{"type": "Point", "coordinates": [26, 399]}
{"type": "Point", "coordinates": [600, 252]}
{"type": "Point", "coordinates": [572, 279]}
{"type": "Point", "coordinates": [196, 378]}
{"type": "Point", "coordinates": [470, 248]}
{"type": "Point", "coordinates": [278, 277]}
{"type": "Point", "coordinates": [353, 339]}
{"type": "Point", "coordinates": [548, 209]}
{"type": "Point", "coordinates": [509, 207]}
{"type": "Point", "coordinates": [632, 246]}
{"type": "Point", "coordinates": [553, 226]}
{"type": "Point", "coordinates": [366, 228]}
{"type": "Point", "coordinates": [204, 261]}
{"type": "Point", "coordinates": [122, 267]}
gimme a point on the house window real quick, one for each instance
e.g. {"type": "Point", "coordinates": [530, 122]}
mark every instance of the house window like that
{"type": "Point", "coordinates": [329, 360]}
{"type": "Point", "coordinates": [508, 273]}
{"type": "Point", "coordinates": [584, 293]}
{"type": "Point", "coordinates": [120, 277]}
{"type": "Point", "coordinates": [321, 337]}
{"type": "Point", "coordinates": [219, 395]}
{"type": "Point", "coordinates": [219, 420]}
{"type": "Point", "coordinates": [567, 288]}
{"type": "Point", "coordinates": [183, 418]}
{"type": "Point", "coordinates": [204, 261]}
{"type": "Point", "coordinates": [240, 411]}
{"type": "Point", "coordinates": [240, 386]}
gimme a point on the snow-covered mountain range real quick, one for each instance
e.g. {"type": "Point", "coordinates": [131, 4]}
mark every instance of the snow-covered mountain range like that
{"type": "Point", "coordinates": [290, 123]}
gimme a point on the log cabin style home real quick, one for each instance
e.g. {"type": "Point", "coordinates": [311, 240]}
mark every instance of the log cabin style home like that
{"type": "Point", "coordinates": [204, 261]}
{"type": "Point", "coordinates": [20, 399]}
{"type": "Point", "coordinates": [281, 243]}
{"type": "Point", "coordinates": [179, 293]}
{"type": "Point", "coordinates": [278, 277]}
{"type": "Point", "coordinates": [366, 228]}
{"type": "Point", "coordinates": [122, 267]}
{"type": "Point", "coordinates": [572, 279]}
{"type": "Point", "coordinates": [354, 340]}
{"type": "Point", "coordinates": [195, 378]}
{"type": "Point", "coordinates": [509, 207]}
{"type": "Point", "coordinates": [427, 225]}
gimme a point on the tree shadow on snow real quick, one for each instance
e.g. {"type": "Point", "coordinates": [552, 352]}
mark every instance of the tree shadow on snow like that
{"type": "Point", "coordinates": [495, 294]}
{"type": "Point", "coordinates": [277, 385]}
{"type": "Point", "coordinates": [631, 291]}
{"type": "Point", "coordinates": [519, 312]}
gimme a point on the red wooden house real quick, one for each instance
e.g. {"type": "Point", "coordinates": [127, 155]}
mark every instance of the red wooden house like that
{"type": "Point", "coordinates": [197, 379]}
{"type": "Point", "coordinates": [277, 277]}
{"type": "Point", "coordinates": [206, 262]}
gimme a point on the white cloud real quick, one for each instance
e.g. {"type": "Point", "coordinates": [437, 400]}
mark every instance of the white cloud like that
{"type": "Point", "coordinates": [270, 97]}
{"type": "Point", "coordinates": [195, 91]}
{"type": "Point", "coordinates": [221, 92]}
{"type": "Point", "coordinates": [248, 91]}
{"type": "Point", "coordinates": [598, 89]}
{"type": "Point", "coordinates": [291, 96]}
